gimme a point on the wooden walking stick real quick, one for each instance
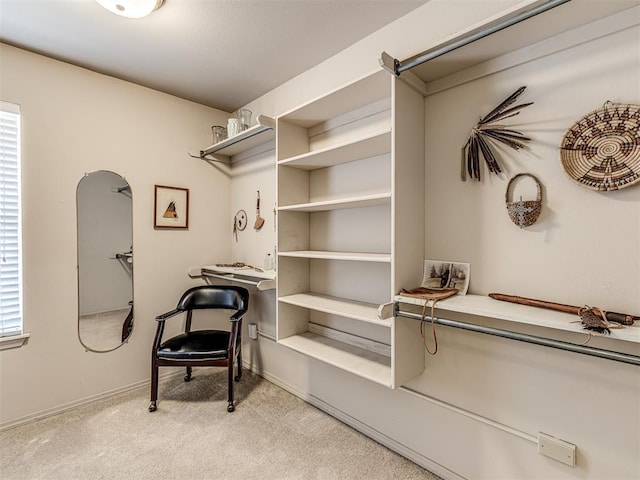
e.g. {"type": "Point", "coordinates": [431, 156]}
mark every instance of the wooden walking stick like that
{"type": "Point", "coordinates": [622, 318]}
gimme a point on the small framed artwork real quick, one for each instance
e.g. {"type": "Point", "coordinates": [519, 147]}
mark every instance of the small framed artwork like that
{"type": "Point", "coordinates": [439, 274]}
{"type": "Point", "coordinates": [171, 207]}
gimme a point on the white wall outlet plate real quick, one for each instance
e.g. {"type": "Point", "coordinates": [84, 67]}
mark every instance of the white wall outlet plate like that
{"type": "Point", "coordinates": [557, 449]}
{"type": "Point", "coordinates": [253, 331]}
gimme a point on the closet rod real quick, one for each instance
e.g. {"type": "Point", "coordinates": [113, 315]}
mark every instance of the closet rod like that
{"type": "Point", "coordinates": [397, 67]}
{"type": "Point", "coordinates": [523, 337]}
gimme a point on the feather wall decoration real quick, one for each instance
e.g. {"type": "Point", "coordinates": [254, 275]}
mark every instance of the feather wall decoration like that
{"type": "Point", "coordinates": [486, 131]}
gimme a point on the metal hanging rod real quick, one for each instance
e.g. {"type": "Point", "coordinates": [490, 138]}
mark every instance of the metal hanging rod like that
{"type": "Point", "coordinates": [397, 67]}
{"type": "Point", "coordinates": [523, 337]}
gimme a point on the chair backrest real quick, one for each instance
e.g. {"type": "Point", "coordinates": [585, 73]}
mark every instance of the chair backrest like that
{"type": "Point", "coordinates": [215, 296]}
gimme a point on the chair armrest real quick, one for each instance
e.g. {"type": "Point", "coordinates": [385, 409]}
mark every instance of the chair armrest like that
{"type": "Point", "coordinates": [237, 316]}
{"type": "Point", "coordinates": [165, 316]}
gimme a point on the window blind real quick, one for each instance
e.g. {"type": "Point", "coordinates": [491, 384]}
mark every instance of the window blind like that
{"type": "Point", "coordinates": [10, 228]}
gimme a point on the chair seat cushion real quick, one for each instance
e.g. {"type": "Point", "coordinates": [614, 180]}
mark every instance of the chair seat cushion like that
{"type": "Point", "coordinates": [205, 344]}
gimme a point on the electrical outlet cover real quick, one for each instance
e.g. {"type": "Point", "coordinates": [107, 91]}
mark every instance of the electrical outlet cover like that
{"type": "Point", "coordinates": [557, 449]}
{"type": "Point", "coordinates": [253, 331]}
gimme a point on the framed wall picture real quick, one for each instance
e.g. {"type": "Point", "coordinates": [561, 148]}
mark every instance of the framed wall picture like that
{"type": "Point", "coordinates": [171, 207]}
{"type": "Point", "coordinates": [439, 274]}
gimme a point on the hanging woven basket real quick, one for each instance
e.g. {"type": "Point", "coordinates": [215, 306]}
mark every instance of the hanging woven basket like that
{"type": "Point", "coordinates": [525, 212]}
{"type": "Point", "coordinates": [601, 151]}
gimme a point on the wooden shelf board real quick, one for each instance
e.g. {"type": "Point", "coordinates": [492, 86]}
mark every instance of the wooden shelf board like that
{"type": "Point", "coordinates": [351, 202]}
{"type": "Point", "coordinates": [348, 256]}
{"type": "Point", "coordinates": [483, 306]}
{"type": "Point", "coordinates": [363, 147]}
{"type": "Point", "coordinates": [366, 312]}
{"type": "Point", "coordinates": [358, 361]}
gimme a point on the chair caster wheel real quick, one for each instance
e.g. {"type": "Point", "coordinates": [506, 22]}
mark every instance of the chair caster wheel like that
{"type": "Point", "coordinates": [237, 378]}
{"type": "Point", "coordinates": [153, 407]}
{"type": "Point", "coordinates": [187, 378]}
{"type": "Point", "coordinates": [230, 408]}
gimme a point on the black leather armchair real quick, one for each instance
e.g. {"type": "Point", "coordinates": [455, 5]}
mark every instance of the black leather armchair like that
{"type": "Point", "coordinates": [206, 348]}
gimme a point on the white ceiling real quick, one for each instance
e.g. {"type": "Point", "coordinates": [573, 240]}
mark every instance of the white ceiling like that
{"type": "Point", "coordinates": [221, 53]}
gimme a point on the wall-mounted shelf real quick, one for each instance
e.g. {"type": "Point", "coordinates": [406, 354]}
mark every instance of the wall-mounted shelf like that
{"type": "Point", "coordinates": [261, 133]}
{"type": "Point", "coordinates": [262, 280]}
{"type": "Point", "coordinates": [483, 306]}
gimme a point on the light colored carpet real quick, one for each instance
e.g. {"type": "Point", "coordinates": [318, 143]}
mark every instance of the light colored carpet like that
{"type": "Point", "coordinates": [272, 435]}
{"type": "Point", "coordinates": [102, 331]}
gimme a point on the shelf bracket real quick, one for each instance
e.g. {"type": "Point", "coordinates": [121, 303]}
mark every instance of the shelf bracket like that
{"type": "Point", "coordinates": [203, 156]}
{"type": "Point", "coordinates": [389, 63]}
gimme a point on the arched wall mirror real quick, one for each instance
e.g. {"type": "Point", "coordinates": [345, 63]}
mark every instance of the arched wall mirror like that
{"type": "Point", "coordinates": [105, 261]}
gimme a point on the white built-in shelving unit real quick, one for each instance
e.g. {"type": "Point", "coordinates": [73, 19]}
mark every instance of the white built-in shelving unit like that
{"type": "Point", "coordinates": [350, 226]}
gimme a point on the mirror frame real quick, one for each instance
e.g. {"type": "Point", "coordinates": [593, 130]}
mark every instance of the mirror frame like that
{"type": "Point", "coordinates": [129, 319]}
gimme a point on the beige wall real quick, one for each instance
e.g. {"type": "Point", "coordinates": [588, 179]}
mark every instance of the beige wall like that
{"type": "Point", "coordinates": [473, 413]}
{"type": "Point", "coordinates": [75, 121]}
{"type": "Point", "coordinates": [477, 409]}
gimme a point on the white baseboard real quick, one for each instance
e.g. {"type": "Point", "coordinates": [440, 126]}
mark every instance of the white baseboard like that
{"type": "Point", "coordinates": [83, 401]}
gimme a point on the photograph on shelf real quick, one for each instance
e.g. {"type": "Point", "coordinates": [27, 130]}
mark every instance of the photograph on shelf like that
{"type": "Point", "coordinates": [440, 274]}
{"type": "Point", "coordinates": [171, 207]}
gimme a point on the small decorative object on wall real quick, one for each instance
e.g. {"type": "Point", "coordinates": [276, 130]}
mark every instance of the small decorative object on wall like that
{"type": "Point", "coordinates": [601, 151]}
{"type": "Point", "coordinates": [524, 213]}
{"type": "Point", "coordinates": [171, 207]}
{"type": "Point", "coordinates": [259, 220]}
{"type": "Point", "coordinates": [485, 131]}
{"type": "Point", "coordinates": [239, 222]}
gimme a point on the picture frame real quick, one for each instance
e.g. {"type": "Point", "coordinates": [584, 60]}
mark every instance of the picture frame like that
{"type": "Point", "coordinates": [446, 274]}
{"type": "Point", "coordinates": [171, 207]}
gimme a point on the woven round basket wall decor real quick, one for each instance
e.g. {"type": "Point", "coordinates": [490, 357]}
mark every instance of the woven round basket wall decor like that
{"type": "Point", "coordinates": [525, 212]}
{"type": "Point", "coordinates": [601, 151]}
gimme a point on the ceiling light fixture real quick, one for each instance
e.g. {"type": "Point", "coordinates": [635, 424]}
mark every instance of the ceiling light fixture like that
{"type": "Point", "coordinates": [131, 8]}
